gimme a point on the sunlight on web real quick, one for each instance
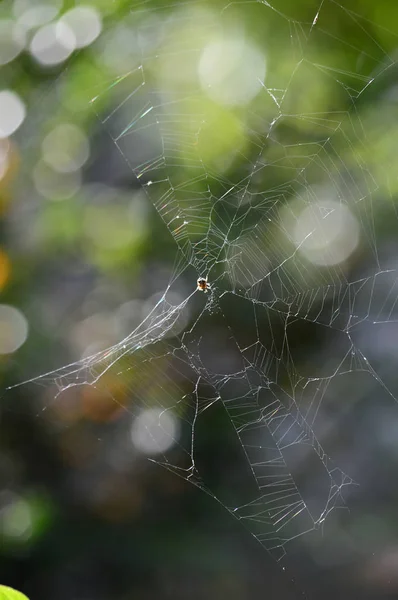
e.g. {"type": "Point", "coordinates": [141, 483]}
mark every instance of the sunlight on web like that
{"type": "Point", "coordinates": [256, 152]}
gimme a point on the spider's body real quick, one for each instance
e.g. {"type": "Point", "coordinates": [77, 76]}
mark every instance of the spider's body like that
{"type": "Point", "coordinates": [203, 286]}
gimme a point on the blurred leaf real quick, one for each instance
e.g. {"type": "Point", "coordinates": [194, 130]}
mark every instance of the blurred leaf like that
{"type": "Point", "coordinates": [7, 593]}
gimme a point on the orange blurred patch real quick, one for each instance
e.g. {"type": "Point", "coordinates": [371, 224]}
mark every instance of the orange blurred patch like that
{"type": "Point", "coordinates": [5, 269]}
{"type": "Point", "coordinates": [105, 401]}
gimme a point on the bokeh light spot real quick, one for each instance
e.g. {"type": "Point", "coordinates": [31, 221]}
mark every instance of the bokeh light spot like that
{"type": "Point", "coordinates": [55, 186]}
{"type": "Point", "coordinates": [85, 22]}
{"type": "Point", "coordinates": [13, 329]}
{"type": "Point", "coordinates": [4, 157]}
{"type": "Point", "coordinates": [231, 71]}
{"type": "Point", "coordinates": [15, 517]}
{"type": "Point", "coordinates": [12, 113]}
{"type": "Point", "coordinates": [53, 44]}
{"type": "Point", "coordinates": [154, 431]}
{"type": "Point", "coordinates": [326, 232]}
{"type": "Point", "coordinates": [12, 40]}
{"type": "Point", "coordinates": [35, 16]}
{"type": "Point", "coordinates": [66, 148]}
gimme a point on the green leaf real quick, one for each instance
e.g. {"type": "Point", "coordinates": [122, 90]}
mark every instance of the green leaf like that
{"type": "Point", "coordinates": [7, 593]}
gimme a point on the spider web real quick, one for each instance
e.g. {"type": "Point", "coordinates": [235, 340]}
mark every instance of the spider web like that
{"type": "Point", "coordinates": [302, 146]}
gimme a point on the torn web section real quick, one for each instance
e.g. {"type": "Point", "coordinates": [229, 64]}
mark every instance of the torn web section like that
{"type": "Point", "coordinates": [164, 320]}
{"type": "Point", "coordinates": [133, 403]}
{"type": "Point", "coordinates": [290, 485]}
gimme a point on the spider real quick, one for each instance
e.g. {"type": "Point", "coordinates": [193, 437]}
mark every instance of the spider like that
{"type": "Point", "coordinates": [203, 286]}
